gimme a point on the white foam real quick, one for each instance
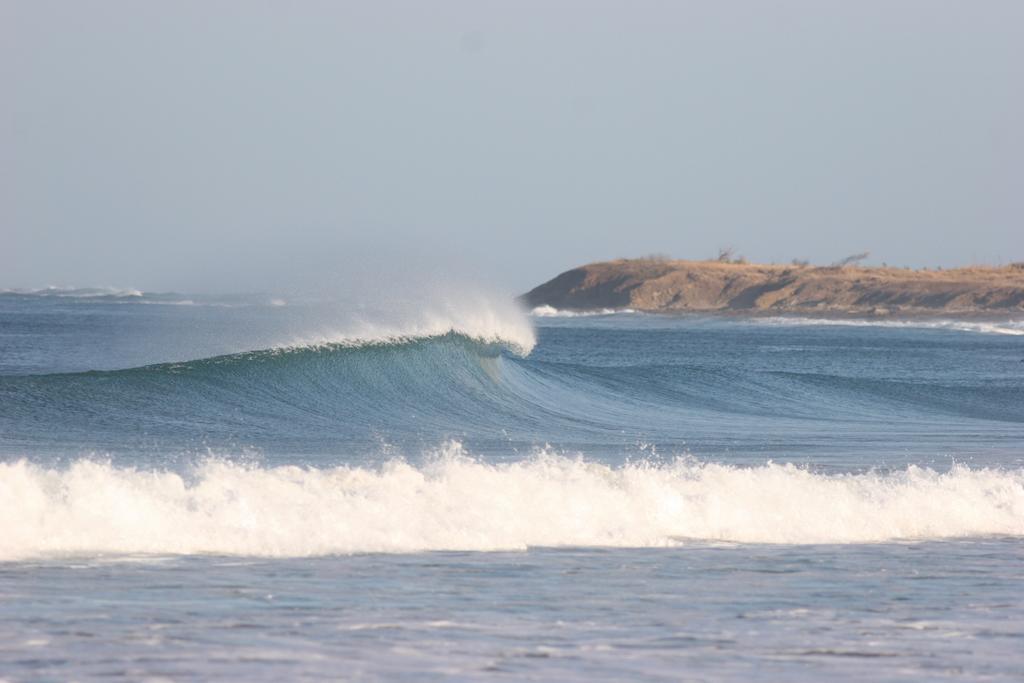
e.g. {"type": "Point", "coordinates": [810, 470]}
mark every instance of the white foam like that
{"type": "Point", "coordinates": [456, 503]}
{"type": "Point", "coordinates": [546, 311]}
{"type": "Point", "coordinates": [1010, 327]}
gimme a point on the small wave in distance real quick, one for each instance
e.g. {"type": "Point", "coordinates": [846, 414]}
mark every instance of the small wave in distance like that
{"type": "Point", "coordinates": [1009, 327]}
{"type": "Point", "coordinates": [546, 311]}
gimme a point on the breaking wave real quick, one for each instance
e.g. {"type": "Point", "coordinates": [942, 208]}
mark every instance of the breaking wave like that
{"type": "Point", "coordinates": [454, 502]}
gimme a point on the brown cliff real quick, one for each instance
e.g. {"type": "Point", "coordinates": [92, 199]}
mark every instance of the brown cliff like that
{"type": "Point", "coordinates": [680, 286]}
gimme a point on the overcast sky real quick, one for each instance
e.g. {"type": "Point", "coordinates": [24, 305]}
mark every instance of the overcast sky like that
{"type": "Point", "coordinates": [247, 145]}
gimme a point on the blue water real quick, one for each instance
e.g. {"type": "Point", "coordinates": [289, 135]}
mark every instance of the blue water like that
{"type": "Point", "coordinates": [248, 488]}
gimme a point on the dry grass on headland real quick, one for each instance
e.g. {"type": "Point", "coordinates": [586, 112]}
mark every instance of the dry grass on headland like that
{"type": "Point", "coordinates": [665, 285]}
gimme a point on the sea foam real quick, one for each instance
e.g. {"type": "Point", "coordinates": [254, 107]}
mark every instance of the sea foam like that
{"type": "Point", "coordinates": [453, 502]}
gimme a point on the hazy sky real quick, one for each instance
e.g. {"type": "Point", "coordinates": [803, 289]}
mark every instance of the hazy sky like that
{"type": "Point", "coordinates": [246, 145]}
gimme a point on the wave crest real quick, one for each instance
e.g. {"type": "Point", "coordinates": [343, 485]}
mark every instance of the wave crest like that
{"type": "Point", "coordinates": [487, 324]}
{"type": "Point", "coordinates": [457, 503]}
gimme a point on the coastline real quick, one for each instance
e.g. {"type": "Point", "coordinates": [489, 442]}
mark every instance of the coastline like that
{"type": "Point", "coordinates": [753, 290]}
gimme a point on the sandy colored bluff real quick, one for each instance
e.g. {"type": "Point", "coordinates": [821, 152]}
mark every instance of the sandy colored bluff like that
{"type": "Point", "coordinates": [676, 286]}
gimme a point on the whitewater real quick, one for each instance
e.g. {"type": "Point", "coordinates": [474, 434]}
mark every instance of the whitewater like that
{"type": "Point", "coordinates": [457, 503]}
{"type": "Point", "coordinates": [262, 486]}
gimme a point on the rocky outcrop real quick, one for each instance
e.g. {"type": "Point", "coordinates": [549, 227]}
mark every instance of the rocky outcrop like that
{"type": "Point", "coordinates": [679, 286]}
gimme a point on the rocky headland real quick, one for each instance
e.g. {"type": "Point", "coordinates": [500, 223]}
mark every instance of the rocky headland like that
{"type": "Point", "coordinates": [667, 286]}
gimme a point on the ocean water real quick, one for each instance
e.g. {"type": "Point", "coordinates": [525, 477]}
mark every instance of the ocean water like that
{"type": "Point", "coordinates": [252, 488]}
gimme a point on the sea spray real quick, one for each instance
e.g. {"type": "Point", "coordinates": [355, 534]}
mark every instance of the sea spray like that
{"type": "Point", "coordinates": [480, 318]}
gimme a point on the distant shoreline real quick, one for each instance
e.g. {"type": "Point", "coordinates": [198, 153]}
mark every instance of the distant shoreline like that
{"type": "Point", "coordinates": [742, 289]}
{"type": "Point", "coordinates": [825, 315]}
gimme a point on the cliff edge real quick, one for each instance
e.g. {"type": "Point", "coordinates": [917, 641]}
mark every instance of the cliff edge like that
{"type": "Point", "coordinates": [657, 285]}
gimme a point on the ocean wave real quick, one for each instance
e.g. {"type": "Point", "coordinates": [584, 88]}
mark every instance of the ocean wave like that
{"type": "Point", "coordinates": [115, 295]}
{"type": "Point", "coordinates": [1009, 327]}
{"type": "Point", "coordinates": [106, 295]}
{"type": "Point", "coordinates": [546, 311]}
{"type": "Point", "coordinates": [454, 502]}
{"type": "Point", "coordinates": [329, 392]}
{"type": "Point", "coordinates": [77, 292]}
